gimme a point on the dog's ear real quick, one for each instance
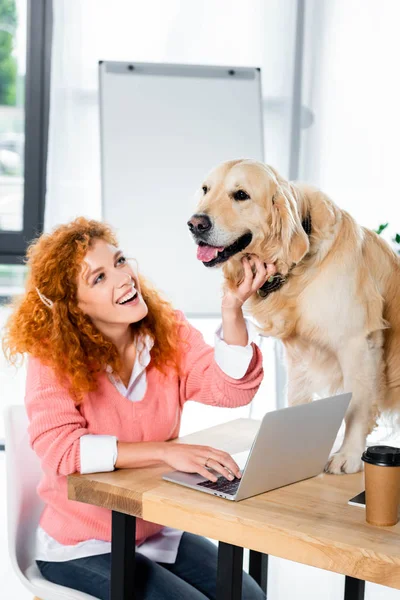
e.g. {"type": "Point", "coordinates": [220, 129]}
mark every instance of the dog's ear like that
{"type": "Point", "coordinates": [294, 239]}
{"type": "Point", "coordinates": [299, 245]}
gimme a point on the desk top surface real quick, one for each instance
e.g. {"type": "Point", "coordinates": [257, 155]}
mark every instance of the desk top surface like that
{"type": "Point", "coordinates": [308, 522]}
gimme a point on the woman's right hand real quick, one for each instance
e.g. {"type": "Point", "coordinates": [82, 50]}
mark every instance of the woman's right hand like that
{"type": "Point", "coordinates": [193, 459]}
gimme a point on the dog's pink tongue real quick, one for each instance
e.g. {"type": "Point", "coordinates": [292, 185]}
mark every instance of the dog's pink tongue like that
{"type": "Point", "coordinates": [207, 253]}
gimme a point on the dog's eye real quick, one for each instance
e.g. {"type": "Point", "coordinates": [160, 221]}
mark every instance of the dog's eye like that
{"type": "Point", "coordinates": [241, 195]}
{"type": "Point", "coordinates": [204, 188]}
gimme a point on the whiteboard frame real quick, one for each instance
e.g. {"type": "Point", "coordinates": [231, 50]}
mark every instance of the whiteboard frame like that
{"type": "Point", "coordinates": [133, 68]}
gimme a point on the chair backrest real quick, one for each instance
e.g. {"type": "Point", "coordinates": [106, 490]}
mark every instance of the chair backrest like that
{"type": "Point", "coordinates": [23, 475]}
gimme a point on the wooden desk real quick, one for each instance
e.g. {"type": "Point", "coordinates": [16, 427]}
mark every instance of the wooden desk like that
{"type": "Point", "coordinates": [308, 522]}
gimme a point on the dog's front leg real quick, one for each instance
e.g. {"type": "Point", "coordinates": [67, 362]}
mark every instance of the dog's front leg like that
{"type": "Point", "coordinates": [299, 383]}
{"type": "Point", "coordinates": [301, 360]}
{"type": "Point", "coordinates": [363, 371]}
{"type": "Point", "coordinates": [298, 386]}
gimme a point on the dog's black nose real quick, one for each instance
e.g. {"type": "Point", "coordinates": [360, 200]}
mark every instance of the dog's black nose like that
{"type": "Point", "coordinates": [199, 224]}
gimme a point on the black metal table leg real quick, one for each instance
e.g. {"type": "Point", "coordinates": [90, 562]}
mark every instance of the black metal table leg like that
{"type": "Point", "coordinates": [230, 571]}
{"type": "Point", "coordinates": [354, 589]}
{"type": "Point", "coordinates": [258, 569]}
{"type": "Point", "coordinates": [122, 556]}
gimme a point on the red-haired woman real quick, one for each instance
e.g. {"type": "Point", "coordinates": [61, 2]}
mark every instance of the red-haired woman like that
{"type": "Point", "coordinates": [111, 365]}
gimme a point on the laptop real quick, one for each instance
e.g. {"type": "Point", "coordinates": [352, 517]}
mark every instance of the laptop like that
{"type": "Point", "coordinates": [291, 444]}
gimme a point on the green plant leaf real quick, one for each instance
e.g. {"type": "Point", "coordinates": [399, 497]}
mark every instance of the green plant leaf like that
{"type": "Point", "coordinates": [381, 228]}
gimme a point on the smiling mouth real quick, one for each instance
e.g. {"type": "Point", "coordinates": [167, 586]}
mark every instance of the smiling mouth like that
{"type": "Point", "coordinates": [128, 300]}
{"type": "Point", "coordinates": [214, 255]}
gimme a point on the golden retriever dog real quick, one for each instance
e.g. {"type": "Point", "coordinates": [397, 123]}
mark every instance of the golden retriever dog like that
{"type": "Point", "coordinates": [334, 300]}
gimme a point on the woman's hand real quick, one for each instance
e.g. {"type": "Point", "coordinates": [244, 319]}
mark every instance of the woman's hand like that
{"type": "Point", "coordinates": [256, 274]}
{"type": "Point", "coordinates": [193, 459]}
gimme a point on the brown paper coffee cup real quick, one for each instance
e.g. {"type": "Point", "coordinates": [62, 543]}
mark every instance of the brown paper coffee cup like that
{"type": "Point", "coordinates": [382, 494]}
{"type": "Point", "coordinates": [382, 485]}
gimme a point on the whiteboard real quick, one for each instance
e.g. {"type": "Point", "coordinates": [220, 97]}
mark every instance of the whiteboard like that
{"type": "Point", "coordinates": [163, 127]}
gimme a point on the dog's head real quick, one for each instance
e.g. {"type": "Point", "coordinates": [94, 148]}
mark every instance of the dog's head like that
{"type": "Point", "coordinates": [246, 207]}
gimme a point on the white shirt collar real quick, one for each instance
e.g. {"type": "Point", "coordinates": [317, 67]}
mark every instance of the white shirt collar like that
{"type": "Point", "coordinates": [143, 348]}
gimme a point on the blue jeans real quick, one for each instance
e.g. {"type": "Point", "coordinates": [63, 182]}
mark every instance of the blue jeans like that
{"type": "Point", "coordinates": [193, 576]}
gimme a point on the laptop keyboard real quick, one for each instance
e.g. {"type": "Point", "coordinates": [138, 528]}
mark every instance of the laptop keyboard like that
{"type": "Point", "coordinates": [222, 485]}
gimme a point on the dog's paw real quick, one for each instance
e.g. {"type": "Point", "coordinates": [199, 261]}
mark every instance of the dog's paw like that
{"type": "Point", "coordinates": [344, 462]}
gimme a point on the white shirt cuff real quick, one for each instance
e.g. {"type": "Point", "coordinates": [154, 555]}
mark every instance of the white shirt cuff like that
{"type": "Point", "coordinates": [98, 453]}
{"type": "Point", "coordinates": [234, 360]}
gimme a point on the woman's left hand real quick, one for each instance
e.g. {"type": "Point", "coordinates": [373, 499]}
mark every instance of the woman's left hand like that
{"type": "Point", "coordinates": [256, 273]}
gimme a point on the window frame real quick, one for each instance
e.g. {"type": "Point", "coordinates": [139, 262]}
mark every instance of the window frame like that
{"type": "Point", "coordinates": [13, 244]}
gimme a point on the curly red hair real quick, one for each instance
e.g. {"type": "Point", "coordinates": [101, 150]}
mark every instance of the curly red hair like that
{"type": "Point", "coordinates": [62, 336]}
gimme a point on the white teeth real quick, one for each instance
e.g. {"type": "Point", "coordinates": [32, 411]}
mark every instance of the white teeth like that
{"type": "Point", "coordinates": [127, 296]}
{"type": "Point", "coordinates": [216, 253]}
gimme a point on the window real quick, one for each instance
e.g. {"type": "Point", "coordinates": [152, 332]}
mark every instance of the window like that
{"type": "Point", "coordinates": [25, 38]}
{"type": "Point", "coordinates": [12, 78]}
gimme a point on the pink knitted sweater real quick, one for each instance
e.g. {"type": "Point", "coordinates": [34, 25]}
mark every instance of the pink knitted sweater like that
{"type": "Point", "coordinates": [56, 425]}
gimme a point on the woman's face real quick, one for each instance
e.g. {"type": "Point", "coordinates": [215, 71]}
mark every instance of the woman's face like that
{"type": "Point", "coordinates": [108, 289]}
